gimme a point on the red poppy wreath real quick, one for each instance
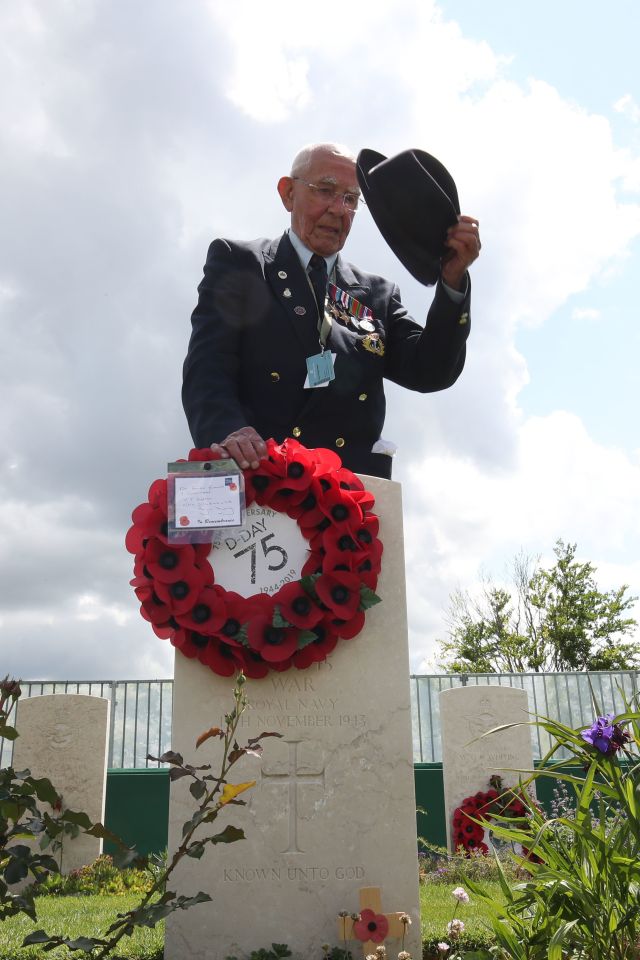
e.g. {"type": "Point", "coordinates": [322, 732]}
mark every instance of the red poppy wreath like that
{"type": "Point", "coordinates": [302, 622]}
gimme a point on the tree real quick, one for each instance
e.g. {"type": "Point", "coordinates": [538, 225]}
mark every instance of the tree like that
{"type": "Point", "coordinates": [552, 620]}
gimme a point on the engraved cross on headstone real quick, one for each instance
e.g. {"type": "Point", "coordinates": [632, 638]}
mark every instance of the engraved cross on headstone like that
{"type": "Point", "coordinates": [294, 778]}
{"type": "Point", "coordinates": [370, 899]}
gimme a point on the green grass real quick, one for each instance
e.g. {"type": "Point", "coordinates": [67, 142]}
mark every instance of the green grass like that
{"type": "Point", "coordinates": [78, 916]}
{"type": "Point", "coordinates": [90, 915]}
{"type": "Point", "coordinates": [437, 906]}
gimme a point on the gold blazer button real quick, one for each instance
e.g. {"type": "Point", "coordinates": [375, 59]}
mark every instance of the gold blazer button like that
{"type": "Point", "coordinates": [340, 442]}
{"type": "Point", "coordinates": [296, 431]}
{"type": "Point", "coordinates": [275, 376]}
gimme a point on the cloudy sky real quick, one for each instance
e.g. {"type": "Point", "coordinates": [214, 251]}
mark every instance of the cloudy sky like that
{"type": "Point", "coordinates": [132, 133]}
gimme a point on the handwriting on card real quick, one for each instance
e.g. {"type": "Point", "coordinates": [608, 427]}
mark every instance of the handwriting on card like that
{"type": "Point", "coordinates": [207, 502]}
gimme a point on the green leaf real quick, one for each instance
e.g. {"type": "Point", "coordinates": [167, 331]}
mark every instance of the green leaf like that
{"type": "Point", "coordinates": [197, 789]}
{"type": "Point", "coordinates": [278, 620]}
{"type": "Point", "coordinates": [9, 733]}
{"type": "Point", "coordinates": [368, 598]}
{"type": "Point", "coordinates": [305, 637]}
{"type": "Point", "coordinates": [229, 835]}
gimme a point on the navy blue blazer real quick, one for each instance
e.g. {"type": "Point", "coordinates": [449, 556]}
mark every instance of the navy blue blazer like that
{"type": "Point", "coordinates": [255, 324]}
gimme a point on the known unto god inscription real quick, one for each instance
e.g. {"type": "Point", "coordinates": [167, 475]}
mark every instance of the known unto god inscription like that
{"type": "Point", "coordinates": [333, 808]}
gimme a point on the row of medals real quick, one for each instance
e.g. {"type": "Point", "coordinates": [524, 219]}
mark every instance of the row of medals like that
{"type": "Point", "coordinates": [371, 341]}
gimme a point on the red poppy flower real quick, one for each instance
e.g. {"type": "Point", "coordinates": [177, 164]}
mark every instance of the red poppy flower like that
{"type": "Point", "coordinates": [313, 564]}
{"type": "Point", "coordinates": [157, 495]}
{"type": "Point", "coordinates": [371, 926]}
{"type": "Point", "coordinates": [347, 629]}
{"type": "Point", "coordinates": [274, 644]}
{"type": "Point", "coordinates": [318, 649]}
{"type": "Point", "coordinates": [252, 664]}
{"type": "Point", "coordinates": [167, 563]}
{"type": "Point", "coordinates": [220, 657]}
{"type": "Point", "coordinates": [297, 607]}
{"type": "Point", "coordinates": [340, 593]}
{"type": "Point", "coordinates": [154, 610]}
{"type": "Point", "coordinates": [180, 596]}
{"type": "Point", "coordinates": [205, 453]}
{"type": "Point", "coordinates": [148, 522]}
{"type": "Point", "coordinates": [205, 615]}
{"type": "Point", "coordinates": [341, 509]}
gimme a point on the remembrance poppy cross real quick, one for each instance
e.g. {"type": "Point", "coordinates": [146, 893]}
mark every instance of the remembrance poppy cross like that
{"type": "Point", "coordinates": [374, 926]}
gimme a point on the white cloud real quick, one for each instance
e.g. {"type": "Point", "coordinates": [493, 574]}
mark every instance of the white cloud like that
{"type": "Point", "coordinates": [129, 141]}
{"type": "Point", "coordinates": [628, 106]}
{"type": "Point", "coordinates": [585, 313]}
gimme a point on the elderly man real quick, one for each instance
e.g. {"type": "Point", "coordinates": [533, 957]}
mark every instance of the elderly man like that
{"type": "Point", "coordinates": [269, 309]}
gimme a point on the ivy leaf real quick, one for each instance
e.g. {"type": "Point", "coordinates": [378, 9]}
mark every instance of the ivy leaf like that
{"type": "Point", "coordinates": [368, 598]}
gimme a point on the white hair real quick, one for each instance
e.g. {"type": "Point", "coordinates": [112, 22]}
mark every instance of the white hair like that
{"type": "Point", "coordinates": [303, 158]}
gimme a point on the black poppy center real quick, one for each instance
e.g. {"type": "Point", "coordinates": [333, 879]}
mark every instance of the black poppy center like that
{"type": "Point", "coordinates": [372, 925]}
{"type": "Point", "coordinates": [295, 470]}
{"type": "Point", "coordinates": [168, 560]}
{"type": "Point", "coordinates": [285, 492]}
{"type": "Point", "coordinates": [231, 627]}
{"type": "Point", "coordinates": [164, 529]}
{"type": "Point", "coordinates": [346, 542]}
{"type": "Point", "coordinates": [309, 502]}
{"type": "Point", "coordinates": [301, 605]}
{"type": "Point", "coordinates": [364, 566]}
{"type": "Point", "coordinates": [364, 536]}
{"type": "Point", "coordinates": [320, 634]}
{"type": "Point", "coordinates": [274, 635]}
{"type": "Point", "coordinates": [324, 523]}
{"type": "Point", "coordinates": [260, 482]}
{"type": "Point", "coordinates": [198, 640]}
{"type": "Point", "coordinates": [339, 512]}
{"type": "Point", "coordinates": [201, 612]}
{"type": "Point", "coordinates": [179, 590]}
{"type": "Point", "coordinates": [339, 594]}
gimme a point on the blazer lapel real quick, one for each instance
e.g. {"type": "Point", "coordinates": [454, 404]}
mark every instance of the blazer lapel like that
{"type": "Point", "coordinates": [290, 286]}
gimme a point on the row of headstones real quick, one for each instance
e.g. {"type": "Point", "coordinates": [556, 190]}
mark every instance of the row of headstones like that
{"type": "Point", "coordinates": [65, 737]}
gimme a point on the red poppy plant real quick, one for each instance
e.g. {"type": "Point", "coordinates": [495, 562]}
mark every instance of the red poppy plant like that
{"type": "Point", "coordinates": [304, 620]}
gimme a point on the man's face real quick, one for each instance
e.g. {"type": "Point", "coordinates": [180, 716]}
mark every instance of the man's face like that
{"type": "Point", "coordinates": [322, 226]}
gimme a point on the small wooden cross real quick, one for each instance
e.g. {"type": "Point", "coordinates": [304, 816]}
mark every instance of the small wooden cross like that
{"type": "Point", "coordinates": [370, 899]}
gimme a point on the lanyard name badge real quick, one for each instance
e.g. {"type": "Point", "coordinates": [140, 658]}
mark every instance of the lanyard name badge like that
{"type": "Point", "coordinates": [320, 369]}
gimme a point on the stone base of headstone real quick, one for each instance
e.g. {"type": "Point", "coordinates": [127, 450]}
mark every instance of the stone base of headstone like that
{"type": "Point", "coordinates": [468, 757]}
{"type": "Point", "coordinates": [333, 809]}
{"type": "Point", "coordinates": [65, 738]}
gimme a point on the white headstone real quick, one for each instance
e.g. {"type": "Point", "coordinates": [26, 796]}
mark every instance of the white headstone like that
{"type": "Point", "coordinates": [65, 737]}
{"type": "Point", "coordinates": [468, 758]}
{"type": "Point", "coordinates": [333, 809]}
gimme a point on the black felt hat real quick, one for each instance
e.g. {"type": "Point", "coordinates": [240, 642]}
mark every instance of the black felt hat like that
{"type": "Point", "coordinates": [413, 200]}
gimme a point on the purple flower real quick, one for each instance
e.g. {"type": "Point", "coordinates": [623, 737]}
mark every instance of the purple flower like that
{"type": "Point", "coordinates": [605, 735]}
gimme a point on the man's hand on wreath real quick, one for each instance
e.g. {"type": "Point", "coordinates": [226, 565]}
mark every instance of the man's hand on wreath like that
{"type": "Point", "coordinates": [245, 446]}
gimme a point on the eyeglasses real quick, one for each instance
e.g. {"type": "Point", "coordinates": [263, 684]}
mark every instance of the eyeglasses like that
{"type": "Point", "coordinates": [328, 195]}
